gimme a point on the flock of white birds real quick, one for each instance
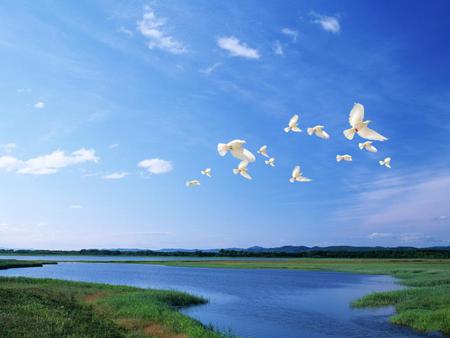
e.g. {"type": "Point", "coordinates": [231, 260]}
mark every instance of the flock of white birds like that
{"type": "Point", "coordinates": [357, 126]}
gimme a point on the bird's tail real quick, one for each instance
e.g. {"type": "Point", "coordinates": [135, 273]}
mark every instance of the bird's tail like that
{"type": "Point", "coordinates": [349, 133]}
{"type": "Point", "coordinates": [338, 158]}
{"type": "Point", "coordinates": [388, 165]}
{"type": "Point", "coordinates": [203, 172]}
{"type": "Point", "coordinates": [360, 145]}
{"type": "Point", "coordinates": [292, 180]}
{"type": "Point", "coordinates": [381, 162]}
{"type": "Point", "coordinates": [310, 131]}
{"type": "Point", "coordinates": [267, 162]}
{"type": "Point", "coordinates": [296, 129]}
{"type": "Point", "coordinates": [222, 149]}
{"type": "Point", "coordinates": [187, 184]}
{"type": "Point", "coordinates": [287, 129]}
{"type": "Point", "coordinates": [236, 171]}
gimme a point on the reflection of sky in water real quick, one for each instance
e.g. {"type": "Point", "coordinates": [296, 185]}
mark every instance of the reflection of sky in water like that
{"type": "Point", "coordinates": [255, 303]}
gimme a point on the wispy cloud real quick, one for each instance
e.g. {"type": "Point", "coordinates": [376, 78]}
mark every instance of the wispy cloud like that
{"type": "Point", "coordinates": [236, 48]}
{"type": "Point", "coordinates": [125, 31]}
{"type": "Point", "coordinates": [278, 48]}
{"type": "Point", "coordinates": [398, 200]}
{"type": "Point", "coordinates": [152, 28]}
{"type": "Point", "coordinates": [210, 69]}
{"type": "Point", "coordinates": [113, 145]}
{"type": "Point", "coordinates": [8, 147]}
{"type": "Point", "coordinates": [39, 105]}
{"type": "Point", "coordinates": [406, 237]}
{"type": "Point", "coordinates": [156, 166]}
{"type": "Point", "coordinates": [75, 206]}
{"type": "Point", "coordinates": [293, 34]}
{"type": "Point", "coordinates": [328, 23]}
{"type": "Point", "coordinates": [115, 176]}
{"type": "Point", "coordinates": [47, 164]}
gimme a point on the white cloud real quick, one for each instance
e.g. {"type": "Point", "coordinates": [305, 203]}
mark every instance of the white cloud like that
{"type": "Point", "coordinates": [8, 147]}
{"type": "Point", "coordinates": [75, 206]}
{"type": "Point", "coordinates": [406, 237]}
{"type": "Point", "coordinates": [156, 166]}
{"type": "Point", "coordinates": [152, 28]}
{"type": "Point", "coordinates": [210, 69]}
{"type": "Point", "coordinates": [328, 23]}
{"type": "Point", "coordinates": [278, 48]}
{"type": "Point", "coordinates": [115, 176]}
{"type": "Point", "coordinates": [400, 200]}
{"type": "Point", "coordinates": [9, 163]}
{"type": "Point", "coordinates": [236, 48]}
{"type": "Point", "coordinates": [39, 104]}
{"type": "Point", "coordinates": [113, 145]}
{"type": "Point", "coordinates": [291, 33]}
{"type": "Point", "coordinates": [47, 164]}
{"type": "Point", "coordinates": [125, 31]}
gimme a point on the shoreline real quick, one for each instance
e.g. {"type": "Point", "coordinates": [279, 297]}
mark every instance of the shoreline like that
{"type": "Point", "coordinates": [56, 307]}
{"type": "Point", "coordinates": [423, 305]}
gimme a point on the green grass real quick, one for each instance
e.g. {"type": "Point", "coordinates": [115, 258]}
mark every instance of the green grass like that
{"type": "Point", "coordinates": [424, 305]}
{"type": "Point", "coordinates": [12, 263]}
{"type": "Point", "coordinates": [32, 308]}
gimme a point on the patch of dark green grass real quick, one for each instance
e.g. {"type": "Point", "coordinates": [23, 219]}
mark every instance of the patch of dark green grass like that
{"type": "Point", "coordinates": [32, 308]}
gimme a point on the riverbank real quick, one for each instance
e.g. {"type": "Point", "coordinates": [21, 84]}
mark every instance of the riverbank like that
{"type": "Point", "coordinates": [424, 305]}
{"type": "Point", "coordinates": [57, 308]}
{"type": "Point", "coordinates": [11, 263]}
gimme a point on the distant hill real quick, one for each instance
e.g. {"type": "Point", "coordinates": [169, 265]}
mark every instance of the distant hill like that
{"type": "Point", "coordinates": [338, 251]}
{"type": "Point", "coordinates": [299, 249]}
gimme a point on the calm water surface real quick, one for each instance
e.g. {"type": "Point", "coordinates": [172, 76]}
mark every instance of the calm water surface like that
{"type": "Point", "coordinates": [254, 303]}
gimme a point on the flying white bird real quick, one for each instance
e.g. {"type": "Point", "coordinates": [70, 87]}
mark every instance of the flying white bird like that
{"type": "Point", "coordinates": [297, 176]}
{"type": "Point", "coordinates": [318, 131]}
{"type": "Point", "coordinates": [242, 169]}
{"type": "Point", "coordinates": [368, 146]}
{"type": "Point", "coordinates": [206, 172]}
{"type": "Point", "coordinates": [270, 161]}
{"type": "Point", "coordinates": [292, 126]}
{"type": "Point", "coordinates": [361, 127]}
{"type": "Point", "coordinates": [386, 162]}
{"type": "Point", "coordinates": [263, 151]}
{"type": "Point", "coordinates": [236, 147]}
{"type": "Point", "coordinates": [345, 157]}
{"type": "Point", "coordinates": [192, 183]}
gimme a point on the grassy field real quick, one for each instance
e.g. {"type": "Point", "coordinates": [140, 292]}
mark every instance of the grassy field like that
{"type": "Point", "coordinates": [54, 308]}
{"type": "Point", "coordinates": [11, 263]}
{"type": "Point", "coordinates": [424, 305]}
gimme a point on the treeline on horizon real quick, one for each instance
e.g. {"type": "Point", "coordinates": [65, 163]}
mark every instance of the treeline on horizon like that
{"type": "Point", "coordinates": [376, 253]}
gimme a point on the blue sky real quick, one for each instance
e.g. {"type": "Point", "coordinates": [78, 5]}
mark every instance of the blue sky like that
{"type": "Point", "coordinates": [90, 89]}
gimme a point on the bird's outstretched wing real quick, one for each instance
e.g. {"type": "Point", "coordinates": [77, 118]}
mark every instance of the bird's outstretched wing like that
{"type": "Point", "coordinates": [243, 165]}
{"type": "Point", "coordinates": [356, 114]}
{"type": "Point", "coordinates": [293, 120]}
{"type": "Point", "coordinates": [323, 134]}
{"type": "Point", "coordinates": [248, 156]}
{"type": "Point", "coordinates": [296, 171]}
{"type": "Point", "coordinates": [246, 175]}
{"type": "Point", "coordinates": [371, 134]}
{"type": "Point", "coordinates": [243, 155]}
